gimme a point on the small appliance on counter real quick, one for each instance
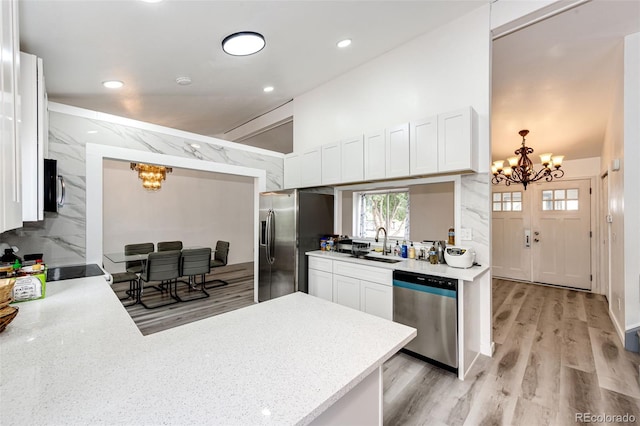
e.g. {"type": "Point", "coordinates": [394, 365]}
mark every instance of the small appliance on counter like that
{"type": "Point", "coordinates": [459, 257]}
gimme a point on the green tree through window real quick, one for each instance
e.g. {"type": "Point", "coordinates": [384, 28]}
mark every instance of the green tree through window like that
{"type": "Point", "coordinates": [387, 209]}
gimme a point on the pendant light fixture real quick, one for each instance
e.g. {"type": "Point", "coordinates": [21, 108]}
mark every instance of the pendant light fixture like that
{"type": "Point", "coordinates": [151, 175]}
{"type": "Point", "coordinates": [243, 43]}
{"type": "Point", "coordinates": [520, 169]}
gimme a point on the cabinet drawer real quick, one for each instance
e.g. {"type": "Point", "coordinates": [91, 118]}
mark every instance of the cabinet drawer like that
{"type": "Point", "coordinates": [320, 264]}
{"type": "Point", "coordinates": [361, 272]}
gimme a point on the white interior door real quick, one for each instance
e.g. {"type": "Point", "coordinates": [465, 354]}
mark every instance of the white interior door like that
{"type": "Point", "coordinates": [510, 228]}
{"type": "Point", "coordinates": [561, 226]}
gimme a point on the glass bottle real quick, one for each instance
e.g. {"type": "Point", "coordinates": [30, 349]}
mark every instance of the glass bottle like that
{"type": "Point", "coordinates": [433, 255]}
{"type": "Point", "coordinates": [452, 237]}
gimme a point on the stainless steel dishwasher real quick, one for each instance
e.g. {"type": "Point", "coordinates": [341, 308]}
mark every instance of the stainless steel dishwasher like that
{"type": "Point", "coordinates": [429, 304]}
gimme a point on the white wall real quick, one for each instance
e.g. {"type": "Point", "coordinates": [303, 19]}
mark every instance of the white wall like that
{"type": "Point", "coordinates": [195, 207]}
{"type": "Point", "coordinates": [583, 167]}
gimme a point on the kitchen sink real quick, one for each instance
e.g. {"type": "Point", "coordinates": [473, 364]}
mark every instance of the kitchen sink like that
{"type": "Point", "coordinates": [382, 259]}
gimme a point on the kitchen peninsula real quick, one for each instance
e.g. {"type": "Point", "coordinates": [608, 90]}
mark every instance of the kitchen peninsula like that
{"type": "Point", "coordinates": [76, 357]}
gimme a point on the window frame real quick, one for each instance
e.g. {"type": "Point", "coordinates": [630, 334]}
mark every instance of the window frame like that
{"type": "Point", "coordinates": [359, 214]}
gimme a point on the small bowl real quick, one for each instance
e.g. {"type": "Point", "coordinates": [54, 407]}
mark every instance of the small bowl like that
{"type": "Point", "coordinates": [7, 314]}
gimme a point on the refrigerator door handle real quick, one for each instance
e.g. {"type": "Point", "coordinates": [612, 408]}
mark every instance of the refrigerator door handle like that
{"type": "Point", "coordinates": [272, 235]}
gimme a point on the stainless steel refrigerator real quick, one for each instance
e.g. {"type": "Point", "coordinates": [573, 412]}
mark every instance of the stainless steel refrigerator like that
{"type": "Point", "coordinates": [291, 223]}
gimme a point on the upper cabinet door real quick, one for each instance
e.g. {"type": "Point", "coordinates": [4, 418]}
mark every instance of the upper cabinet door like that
{"type": "Point", "coordinates": [423, 144]}
{"type": "Point", "coordinates": [353, 159]}
{"type": "Point", "coordinates": [10, 166]}
{"type": "Point", "coordinates": [374, 155]}
{"type": "Point", "coordinates": [455, 147]}
{"type": "Point", "coordinates": [291, 171]}
{"type": "Point", "coordinates": [331, 163]}
{"type": "Point", "coordinates": [311, 168]}
{"type": "Point", "coordinates": [397, 147]}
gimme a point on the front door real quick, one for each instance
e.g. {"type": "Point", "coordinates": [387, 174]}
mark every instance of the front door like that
{"type": "Point", "coordinates": [562, 233]}
{"type": "Point", "coordinates": [543, 234]}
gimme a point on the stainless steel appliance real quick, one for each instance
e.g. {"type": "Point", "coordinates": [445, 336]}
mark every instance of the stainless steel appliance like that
{"type": "Point", "coordinates": [429, 304]}
{"type": "Point", "coordinates": [291, 223]}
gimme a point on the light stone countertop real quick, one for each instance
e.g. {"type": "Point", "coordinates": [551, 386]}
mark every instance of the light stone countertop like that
{"type": "Point", "coordinates": [76, 357]}
{"type": "Point", "coordinates": [411, 265]}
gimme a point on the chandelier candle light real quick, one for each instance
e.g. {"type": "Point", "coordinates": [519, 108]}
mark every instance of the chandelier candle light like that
{"type": "Point", "coordinates": [151, 175]}
{"type": "Point", "coordinates": [520, 169]}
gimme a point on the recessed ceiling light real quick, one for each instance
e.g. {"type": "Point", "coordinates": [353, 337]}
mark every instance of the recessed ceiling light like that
{"type": "Point", "coordinates": [113, 84]}
{"type": "Point", "coordinates": [183, 81]}
{"type": "Point", "coordinates": [151, 1]}
{"type": "Point", "coordinates": [268, 89]}
{"type": "Point", "coordinates": [195, 145]}
{"type": "Point", "coordinates": [344, 43]}
{"type": "Point", "coordinates": [92, 132]}
{"type": "Point", "coordinates": [243, 43]}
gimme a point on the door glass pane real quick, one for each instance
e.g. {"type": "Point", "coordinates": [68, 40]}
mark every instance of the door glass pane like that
{"type": "Point", "coordinates": [572, 194]}
{"type": "Point", "coordinates": [559, 205]}
{"type": "Point", "coordinates": [506, 196]}
{"type": "Point", "coordinates": [559, 194]}
{"type": "Point", "coordinates": [517, 206]}
{"type": "Point", "coordinates": [506, 206]}
{"type": "Point", "coordinates": [496, 196]}
{"type": "Point", "coordinates": [516, 196]}
{"type": "Point", "coordinates": [547, 195]}
{"type": "Point", "coordinates": [547, 205]}
{"type": "Point", "coordinates": [497, 207]}
{"type": "Point", "coordinates": [572, 204]}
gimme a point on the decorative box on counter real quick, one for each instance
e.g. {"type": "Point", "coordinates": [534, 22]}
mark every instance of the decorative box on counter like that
{"type": "Point", "coordinates": [30, 283]}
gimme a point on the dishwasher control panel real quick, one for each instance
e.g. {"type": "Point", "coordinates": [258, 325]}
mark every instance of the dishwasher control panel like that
{"type": "Point", "coordinates": [426, 280]}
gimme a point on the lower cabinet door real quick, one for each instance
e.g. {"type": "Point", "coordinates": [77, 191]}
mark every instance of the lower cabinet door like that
{"type": "Point", "coordinates": [321, 284]}
{"type": "Point", "coordinates": [346, 291]}
{"type": "Point", "coordinates": [376, 299]}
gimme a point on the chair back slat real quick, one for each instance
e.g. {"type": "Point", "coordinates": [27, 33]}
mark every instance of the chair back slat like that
{"type": "Point", "coordinates": [161, 266]}
{"type": "Point", "coordinates": [196, 261]}
{"type": "Point", "coordinates": [169, 245]}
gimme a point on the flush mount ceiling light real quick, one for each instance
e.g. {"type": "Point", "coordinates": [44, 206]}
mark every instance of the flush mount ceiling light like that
{"type": "Point", "coordinates": [268, 89]}
{"type": "Point", "coordinates": [243, 43]}
{"type": "Point", "coordinates": [183, 81]}
{"type": "Point", "coordinates": [344, 43]}
{"type": "Point", "coordinates": [520, 169]}
{"type": "Point", "coordinates": [112, 84]}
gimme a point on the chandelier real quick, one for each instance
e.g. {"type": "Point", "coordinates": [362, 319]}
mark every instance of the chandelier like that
{"type": "Point", "coordinates": [151, 175]}
{"type": "Point", "coordinates": [520, 169]}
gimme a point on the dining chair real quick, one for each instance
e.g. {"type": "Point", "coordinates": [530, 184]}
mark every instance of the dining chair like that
{"type": "Point", "coordinates": [163, 266]}
{"type": "Point", "coordinates": [195, 262]}
{"type": "Point", "coordinates": [136, 266]}
{"type": "Point", "coordinates": [219, 260]}
{"type": "Point", "coordinates": [169, 245]}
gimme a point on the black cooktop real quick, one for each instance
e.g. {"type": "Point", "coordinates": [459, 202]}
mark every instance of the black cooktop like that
{"type": "Point", "coordinates": [74, 271]}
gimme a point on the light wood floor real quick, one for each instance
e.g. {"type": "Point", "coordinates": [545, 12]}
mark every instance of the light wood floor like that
{"type": "Point", "coordinates": [238, 294]}
{"type": "Point", "coordinates": [556, 355]}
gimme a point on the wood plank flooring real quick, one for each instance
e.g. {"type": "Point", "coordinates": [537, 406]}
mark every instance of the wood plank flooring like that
{"type": "Point", "coordinates": [556, 355]}
{"type": "Point", "coordinates": [238, 294]}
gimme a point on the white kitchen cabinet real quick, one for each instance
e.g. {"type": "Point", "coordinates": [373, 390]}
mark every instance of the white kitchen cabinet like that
{"type": "Point", "coordinates": [455, 147]}
{"type": "Point", "coordinates": [10, 166]}
{"type": "Point", "coordinates": [321, 284]}
{"type": "Point", "coordinates": [375, 153]}
{"type": "Point", "coordinates": [397, 151]}
{"type": "Point", "coordinates": [423, 146]}
{"type": "Point", "coordinates": [376, 299]}
{"type": "Point", "coordinates": [291, 171]}
{"type": "Point", "coordinates": [352, 159]}
{"type": "Point", "coordinates": [33, 136]}
{"type": "Point", "coordinates": [311, 168]}
{"type": "Point", "coordinates": [346, 291]}
{"type": "Point", "coordinates": [331, 166]}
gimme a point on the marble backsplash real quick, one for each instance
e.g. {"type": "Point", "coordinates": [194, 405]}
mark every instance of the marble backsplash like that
{"type": "Point", "coordinates": [475, 200]}
{"type": "Point", "coordinates": [61, 236]}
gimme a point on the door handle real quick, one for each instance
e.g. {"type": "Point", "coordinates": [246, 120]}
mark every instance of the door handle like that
{"type": "Point", "coordinates": [527, 238]}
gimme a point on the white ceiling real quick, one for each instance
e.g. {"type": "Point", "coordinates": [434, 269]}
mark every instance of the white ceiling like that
{"type": "Point", "coordinates": [555, 78]}
{"type": "Point", "coordinates": [147, 46]}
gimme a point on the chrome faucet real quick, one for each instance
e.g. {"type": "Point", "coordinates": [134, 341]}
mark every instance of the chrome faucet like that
{"type": "Point", "coordinates": [384, 244]}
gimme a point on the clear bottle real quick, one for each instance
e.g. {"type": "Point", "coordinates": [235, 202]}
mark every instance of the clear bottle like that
{"type": "Point", "coordinates": [396, 249]}
{"type": "Point", "coordinates": [412, 251]}
{"type": "Point", "coordinates": [452, 237]}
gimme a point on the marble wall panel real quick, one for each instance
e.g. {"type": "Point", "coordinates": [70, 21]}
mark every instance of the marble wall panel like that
{"type": "Point", "coordinates": [62, 235]}
{"type": "Point", "coordinates": [475, 200]}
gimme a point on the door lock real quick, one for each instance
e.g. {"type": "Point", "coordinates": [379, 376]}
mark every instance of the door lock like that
{"type": "Point", "coordinates": [536, 233]}
{"type": "Point", "coordinates": [536, 240]}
